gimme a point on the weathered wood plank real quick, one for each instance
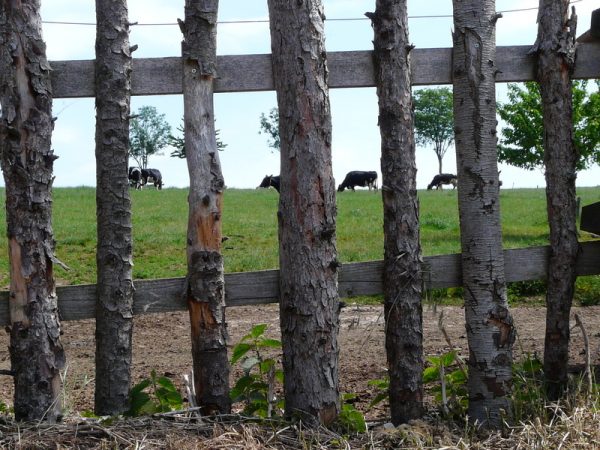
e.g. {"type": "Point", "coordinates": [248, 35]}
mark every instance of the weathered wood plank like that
{"type": "Point", "coordinates": [246, 73]}
{"type": "Point", "coordinates": [363, 278]}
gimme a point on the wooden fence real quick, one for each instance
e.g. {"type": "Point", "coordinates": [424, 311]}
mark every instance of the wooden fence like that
{"type": "Point", "coordinates": [248, 73]}
{"type": "Point", "coordinates": [160, 76]}
{"type": "Point", "coordinates": [364, 278]}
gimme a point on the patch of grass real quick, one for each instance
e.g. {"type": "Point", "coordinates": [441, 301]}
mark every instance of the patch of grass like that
{"type": "Point", "coordinates": [250, 225]}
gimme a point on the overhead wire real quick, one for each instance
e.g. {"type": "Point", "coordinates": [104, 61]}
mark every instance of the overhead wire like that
{"type": "Point", "coordinates": [335, 19]}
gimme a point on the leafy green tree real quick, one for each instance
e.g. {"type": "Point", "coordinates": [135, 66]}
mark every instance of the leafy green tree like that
{"type": "Point", "coordinates": [434, 120]}
{"type": "Point", "coordinates": [269, 125]}
{"type": "Point", "coordinates": [522, 143]}
{"type": "Point", "coordinates": [148, 134]}
{"type": "Point", "coordinates": [178, 142]}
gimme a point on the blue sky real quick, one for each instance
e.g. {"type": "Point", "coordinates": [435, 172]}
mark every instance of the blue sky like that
{"type": "Point", "coordinates": [247, 158]}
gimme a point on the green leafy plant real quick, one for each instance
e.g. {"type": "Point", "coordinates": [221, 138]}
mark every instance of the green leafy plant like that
{"type": "Point", "coordinates": [154, 395]}
{"type": "Point", "coordinates": [383, 390]}
{"type": "Point", "coordinates": [350, 419]}
{"type": "Point", "coordinates": [449, 386]}
{"type": "Point", "coordinates": [5, 409]}
{"type": "Point", "coordinates": [450, 390]}
{"type": "Point", "coordinates": [528, 397]}
{"type": "Point", "coordinates": [256, 388]}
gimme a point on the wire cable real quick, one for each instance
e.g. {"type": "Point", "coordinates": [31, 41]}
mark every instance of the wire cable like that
{"type": "Point", "coordinates": [338, 19]}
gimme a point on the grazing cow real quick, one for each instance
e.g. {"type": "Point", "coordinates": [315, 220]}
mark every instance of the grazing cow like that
{"type": "Point", "coordinates": [154, 176]}
{"type": "Point", "coordinates": [441, 179]}
{"type": "Point", "coordinates": [270, 180]}
{"type": "Point", "coordinates": [359, 178]}
{"type": "Point", "coordinates": [135, 177]}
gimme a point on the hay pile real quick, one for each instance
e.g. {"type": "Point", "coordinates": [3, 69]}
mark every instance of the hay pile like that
{"type": "Point", "coordinates": [185, 430]}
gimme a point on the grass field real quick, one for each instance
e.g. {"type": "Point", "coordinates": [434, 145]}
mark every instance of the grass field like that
{"type": "Point", "coordinates": [250, 223]}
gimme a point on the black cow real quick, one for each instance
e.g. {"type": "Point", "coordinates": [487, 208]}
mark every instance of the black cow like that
{"type": "Point", "coordinates": [270, 180]}
{"type": "Point", "coordinates": [359, 178]}
{"type": "Point", "coordinates": [443, 178]}
{"type": "Point", "coordinates": [135, 177]}
{"type": "Point", "coordinates": [152, 175]}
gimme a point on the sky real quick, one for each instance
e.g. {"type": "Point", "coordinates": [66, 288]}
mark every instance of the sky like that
{"type": "Point", "coordinates": [247, 157]}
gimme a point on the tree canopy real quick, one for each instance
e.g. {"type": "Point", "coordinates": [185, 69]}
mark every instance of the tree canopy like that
{"type": "Point", "coordinates": [522, 141]}
{"type": "Point", "coordinates": [148, 134]}
{"type": "Point", "coordinates": [178, 142]}
{"type": "Point", "coordinates": [434, 120]}
{"type": "Point", "coordinates": [269, 125]}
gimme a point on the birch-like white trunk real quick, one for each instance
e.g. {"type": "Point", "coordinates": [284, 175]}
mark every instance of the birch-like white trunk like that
{"type": "Point", "coordinates": [490, 330]}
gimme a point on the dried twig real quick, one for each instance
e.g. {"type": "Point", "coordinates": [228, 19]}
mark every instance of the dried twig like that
{"type": "Point", "coordinates": [588, 358]}
{"type": "Point", "coordinates": [441, 327]}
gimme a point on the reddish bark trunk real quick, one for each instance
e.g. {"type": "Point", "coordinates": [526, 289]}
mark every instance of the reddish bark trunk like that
{"type": "Point", "coordinates": [205, 279]}
{"type": "Point", "coordinates": [27, 161]}
{"type": "Point", "coordinates": [307, 211]}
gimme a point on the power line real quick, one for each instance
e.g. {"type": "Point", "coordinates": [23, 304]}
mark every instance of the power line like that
{"type": "Point", "coordinates": [338, 19]}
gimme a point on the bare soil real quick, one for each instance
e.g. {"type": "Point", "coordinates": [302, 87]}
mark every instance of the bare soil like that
{"type": "Point", "coordinates": [162, 343]}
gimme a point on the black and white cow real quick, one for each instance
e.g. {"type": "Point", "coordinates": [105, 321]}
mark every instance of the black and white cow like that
{"type": "Point", "coordinates": [270, 180]}
{"type": "Point", "coordinates": [441, 179]}
{"type": "Point", "coordinates": [135, 177]}
{"type": "Point", "coordinates": [359, 178]}
{"type": "Point", "coordinates": [152, 175]}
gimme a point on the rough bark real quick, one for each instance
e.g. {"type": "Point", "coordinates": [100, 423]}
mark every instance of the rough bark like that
{"type": "Point", "coordinates": [490, 330]}
{"type": "Point", "coordinates": [307, 212]}
{"type": "Point", "coordinates": [114, 304]}
{"type": "Point", "coordinates": [27, 160]}
{"type": "Point", "coordinates": [205, 280]}
{"type": "Point", "coordinates": [402, 251]}
{"type": "Point", "coordinates": [555, 48]}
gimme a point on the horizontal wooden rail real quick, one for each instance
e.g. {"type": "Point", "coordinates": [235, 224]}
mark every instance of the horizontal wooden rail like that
{"type": "Point", "coordinates": [364, 278]}
{"type": "Point", "coordinates": [246, 73]}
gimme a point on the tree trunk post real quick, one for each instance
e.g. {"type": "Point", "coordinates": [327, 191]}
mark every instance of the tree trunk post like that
{"type": "Point", "coordinates": [402, 259]}
{"type": "Point", "coordinates": [490, 329]}
{"type": "Point", "coordinates": [114, 257]}
{"type": "Point", "coordinates": [205, 291]}
{"type": "Point", "coordinates": [555, 49]}
{"type": "Point", "coordinates": [309, 305]}
{"type": "Point", "coordinates": [27, 159]}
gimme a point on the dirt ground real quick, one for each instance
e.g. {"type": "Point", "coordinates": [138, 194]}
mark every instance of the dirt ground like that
{"type": "Point", "coordinates": [161, 343]}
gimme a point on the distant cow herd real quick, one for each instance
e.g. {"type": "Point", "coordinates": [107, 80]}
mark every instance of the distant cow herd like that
{"type": "Point", "coordinates": [138, 177]}
{"type": "Point", "coordinates": [366, 179]}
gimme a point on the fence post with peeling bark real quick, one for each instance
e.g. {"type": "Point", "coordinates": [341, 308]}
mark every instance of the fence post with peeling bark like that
{"type": "Point", "coordinates": [490, 330]}
{"type": "Point", "coordinates": [205, 291]}
{"type": "Point", "coordinates": [114, 255]}
{"type": "Point", "coordinates": [309, 311]}
{"type": "Point", "coordinates": [402, 273]}
{"type": "Point", "coordinates": [36, 353]}
{"type": "Point", "coordinates": [555, 50]}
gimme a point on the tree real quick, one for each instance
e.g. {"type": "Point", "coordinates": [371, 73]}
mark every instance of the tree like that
{"type": "Point", "coordinates": [555, 50]}
{"type": "Point", "coordinates": [402, 258]}
{"type": "Point", "coordinates": [490, 329]}
{"type": "Point", "coordinates": [27, 160]}
{"type": "Point", "coordinates": [270, 126]}
{"type": "Point", "coordinates": [114, 256]}
{"type": "Point", "coordinates": [307, 212]}
{"type": "Point", "coordinates": [205, 280]}
{"type": "Point", "coordinates": [148, 134]}
{"type": "Point", "coordinates": [178, 142]}
{"type": "Point", "coordinates": [522, 142]}
{"type": "Point", "coordinates": [434, 121]}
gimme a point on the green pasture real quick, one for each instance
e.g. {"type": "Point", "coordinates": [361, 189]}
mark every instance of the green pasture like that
{"type": "Point", "coordinates": [250, 224]}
